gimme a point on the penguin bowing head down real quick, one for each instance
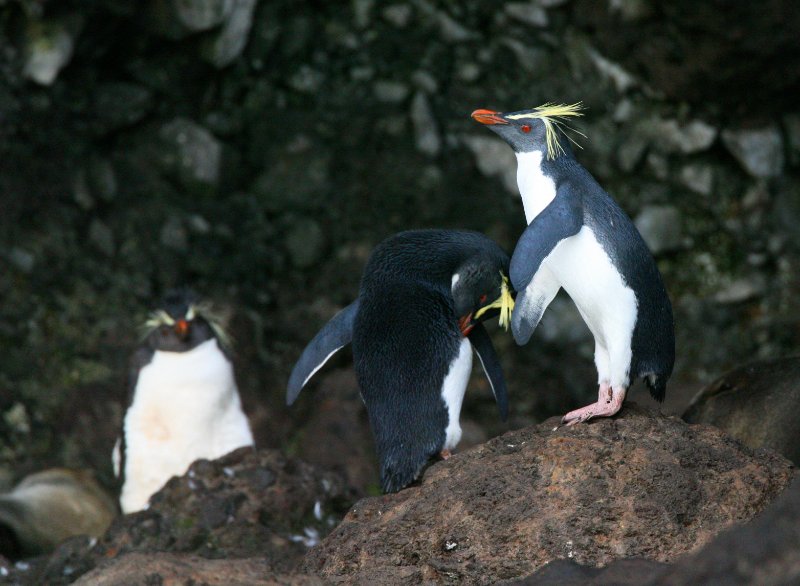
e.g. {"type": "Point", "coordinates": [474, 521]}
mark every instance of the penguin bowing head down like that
{"type": "Point", "coordinates": [578, 238]}
{"type": "Point", "coordinates": [183, 400]}
{"type": "Point", "coordinates": [413, 328]}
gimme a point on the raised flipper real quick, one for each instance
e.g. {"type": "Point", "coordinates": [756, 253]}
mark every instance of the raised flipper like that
{"type": "Point", "coordinates": [559, 220]}
{"type": "Point", "coordinates": [482, 344]}
{"type": "Point", "coordinates": [336, 334]}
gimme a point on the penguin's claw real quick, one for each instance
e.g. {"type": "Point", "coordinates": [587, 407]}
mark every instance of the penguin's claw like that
{"type": "Point", "coordinates": [445, 454]}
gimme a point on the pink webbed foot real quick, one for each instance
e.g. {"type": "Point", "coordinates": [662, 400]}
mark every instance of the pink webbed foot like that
{"type": "Point", "coordinates": [445, 454]}
{"type": "Point", "coordinates": [609, 402]}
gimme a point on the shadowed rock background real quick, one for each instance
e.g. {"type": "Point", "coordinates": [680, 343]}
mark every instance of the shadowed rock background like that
{"type": "Point", "coordinates": [258, 150]}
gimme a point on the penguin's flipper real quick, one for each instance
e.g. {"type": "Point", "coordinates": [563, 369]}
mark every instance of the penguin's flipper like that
{"type": "Point", "coordinates": [482, 344]}
{"type": "Point", "coordinates": [535, 287]}
{"type": "Point", "coordinates": [336, 334]}
{"type": "Point", "coordinates": [559, 220]}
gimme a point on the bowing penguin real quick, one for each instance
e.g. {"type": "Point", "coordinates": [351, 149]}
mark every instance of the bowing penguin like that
{"type": "Point", "coordinates": [413, 328]}
{"type": "Point", "coordinates": [184, 402]}
{"type": "Point", "coordinates": [578, 238]}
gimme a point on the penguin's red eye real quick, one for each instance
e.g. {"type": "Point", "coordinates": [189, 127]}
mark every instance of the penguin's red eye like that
{"type": "Point", "coordinates": [482, 299]}
{"type": "Point", "coordinates": [525, 128]}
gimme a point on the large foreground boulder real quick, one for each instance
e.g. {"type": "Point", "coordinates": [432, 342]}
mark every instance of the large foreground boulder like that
{"type": "Point", "coordinates": [638, 485]}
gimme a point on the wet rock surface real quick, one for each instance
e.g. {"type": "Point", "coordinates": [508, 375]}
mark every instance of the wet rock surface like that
{"type": "Point", "coordinates": [639, 485]}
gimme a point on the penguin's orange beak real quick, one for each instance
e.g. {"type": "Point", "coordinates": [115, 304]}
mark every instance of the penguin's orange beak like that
{"type": "Point", "coordinates": [465, 325]}
{"type": "Point", "coordinates": [488, 117]}
{"type": "Point", "coordinates": [182, 328]}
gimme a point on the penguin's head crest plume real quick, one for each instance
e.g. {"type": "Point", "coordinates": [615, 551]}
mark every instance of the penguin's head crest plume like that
{"type": "Point", "coordinates": [204, 309]}
{"type": "Point", "coordinates": [505, 303]}
{"type": "Point", "coordinates": [553, 117]}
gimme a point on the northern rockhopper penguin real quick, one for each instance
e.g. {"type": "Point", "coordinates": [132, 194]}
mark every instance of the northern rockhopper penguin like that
{"type": "Point", "coordinates": [578, 238]}
{"type": "Point", "coordinates": [413, 328]}
{"type": "Point", "coordinates": [183, 401]}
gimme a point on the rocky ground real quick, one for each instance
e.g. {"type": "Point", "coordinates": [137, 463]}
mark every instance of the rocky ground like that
{"type": "Point", "coordinates": [638, 486]}
{"type": "Point", "coordinates": [258, 150]}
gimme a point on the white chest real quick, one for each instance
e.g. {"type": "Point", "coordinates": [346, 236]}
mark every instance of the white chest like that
{"type": "Point", "coordinates": [186, 406]}
{"type": "Point", "coordinates": [537, 190]}
{"type": "Point", "coordinates": [453, 389]}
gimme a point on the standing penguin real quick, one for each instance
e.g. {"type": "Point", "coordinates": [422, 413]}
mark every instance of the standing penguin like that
{"type": "Point", "coordinates": [578, 238]}
{"type": "Point", "coordinates": [184, 403]}
{"type": "Point", "coordinates": [413, 328]}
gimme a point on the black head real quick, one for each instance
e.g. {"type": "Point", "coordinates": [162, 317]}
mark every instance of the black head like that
{"type": "Point", "coordinates": [479, 285]}
{"type": "Point", "coordinates": [538, 129]}
{"type": "Point", "coordinates": [181, 323]}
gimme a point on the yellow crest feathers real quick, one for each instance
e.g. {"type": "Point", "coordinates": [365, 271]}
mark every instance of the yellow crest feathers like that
{"type": "Point", "coordinates": [553, 117]}
{"type": "Point", "coordinates": [505, 303]}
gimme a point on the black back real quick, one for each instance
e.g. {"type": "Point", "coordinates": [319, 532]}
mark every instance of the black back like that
{"type": "Point", "coordinates": [653, 343]}
{"type": "Point", "coordinates": [405, 337]}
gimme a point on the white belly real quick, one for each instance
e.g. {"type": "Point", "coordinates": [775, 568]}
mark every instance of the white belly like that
{"type": "Point", "coordinates": [186, 406]}
{"type": "Point", "coordinates": [604, 300]}
{"type": "Point", "coordinates": [453, 389]}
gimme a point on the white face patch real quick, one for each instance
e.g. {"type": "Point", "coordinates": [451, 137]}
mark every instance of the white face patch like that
{"type": "Point", "coordinates": [186, 406]}
{"type": "Point", "coordinates": [453, 281]}
{"type": "Point", "coordinates": [537, 190]}
{"type": "Point", "coordinates": [453, 389]}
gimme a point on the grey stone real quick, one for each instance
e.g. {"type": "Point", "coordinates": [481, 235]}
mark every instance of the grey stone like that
{"type": "Point", "coordinates": [48, 48]}
{"type": "Point", "coordinates": [658, 165]}
{"type": "Point", "coordinates": [552, 3]}
{"type": "Point", "coordinates": [120, 104]}
{"type": "Point", "coordinates": [398, 14]}
{"type": "Point", "coordinates": [494, 159]}
{"type": "Point", "coordinates": [102, 179]}
{"type": "Point", "coordinates": [530, 59]}
{"type": "Point", "coordinates": [759, 151]}
{"type": "Point", "coordinates": [632, 10]}
{"type": "Point", "coordinates": [468, 71]}
{"type": "Point", "coordinates": [698, 177]}
{"type": "Point", "coordinates": [660, 226]}
{"type": "Point", "coordinates": [81, 192]}
{"type": "Point", "coordinates": [192, 152]}
{"type": "Point", "coordinates": [630, 152]}
{"type": "Point", "coordinates": [22, 259]}
{"type": "Point", "coordinates": [305, 243]}
{"type": "Point", "coordinates": [173, 235]}
{"type": "Point", "coordinates": [563, 324]}
{"type": "Point", "coordinates": [741, 289]}
{"type": "Point", "coordinates": [670, 136]}
{"type": "Point", "coordinates": [530, 13]}
{"type": "Point", "coordinates": [391, 92]}
{"type": "Point", "coordinates": [426, 132]}
{"type": "Point", "coordinates": [232, 39]}
{"type": "Point", "coordinates": [200, 15]}
{"type": "Point", "coordinates": [294, 181]}
{"type": "Point", "coordinates": [792, 125]}
{"type": "Point", "coordinates": [622, 79]}
{"type": "Point", "coordinates": [198, 224]}
{"type": "Point", "coordinates": [453, 31]}
{"type": "Point", "coordinates": [362, 9]}
{"type": "Point", "coordinates": [425, 81]}
{"type": "Point", "coordinates": [101, 236]}
{"type": "Point", "coordinates": [306, 80]}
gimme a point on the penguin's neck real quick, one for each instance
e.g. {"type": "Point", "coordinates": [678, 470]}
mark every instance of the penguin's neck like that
{"type": "Point", "coordinates": [536, 188]}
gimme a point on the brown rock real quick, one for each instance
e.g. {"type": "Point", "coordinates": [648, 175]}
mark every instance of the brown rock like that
{"type": "Point", "coordinates": [248, 504]}
{"type": "Point", "coordinates": [636, 485]}
{"type": "Point", "coordinates": [763, 551]}
{"type": "Point", "coordinates": [756, 404]}
{"type": "Point", "coordinates": [169, 569]}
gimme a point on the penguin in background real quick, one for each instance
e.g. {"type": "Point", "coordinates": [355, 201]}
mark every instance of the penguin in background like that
{"type": "Point", "coordinates": [413, 329]}
{"type": "Point", "coordinates": [183, 400]}
{"type": "Point", "coordinates": [578, 238]}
